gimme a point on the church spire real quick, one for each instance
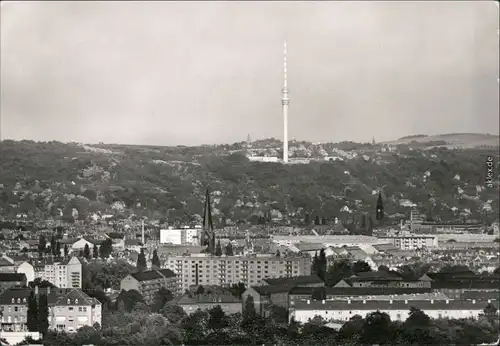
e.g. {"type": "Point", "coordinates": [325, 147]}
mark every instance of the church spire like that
{"type": "Point", "coordinates": [380, 207]}
{"type": "Point", "coordinates": [208, 234]}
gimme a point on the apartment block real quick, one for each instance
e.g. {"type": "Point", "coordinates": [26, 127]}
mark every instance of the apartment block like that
{"type": "Point", "coordinates": [148, 283]}
{"type": "Point", "coordinates": [408, 241]}
{"type": "Point", "coordinates": [66, 273]}
{"type": "Point", "coordinates": [204, 269]}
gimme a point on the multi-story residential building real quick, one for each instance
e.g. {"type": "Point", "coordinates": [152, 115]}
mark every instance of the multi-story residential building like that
{"type": "Point", "coordinates": [275, 291]}
{"type": "Point", "coordinates": [148, 283]}
{"type": "Point", "coordinates": [409, 241]}
{"type": "Point", "coordinates": [66, 273]}
{"type": "Point", "coordinates": [397, 310]}
{"type": "Point", "coordinates": [69, 309]}
{"type": "Point", "coordinates": [192, 302]}
{"type": "Point", "coordinates": [8, 280]}
{"type": "Point", "coordinates": [14, 306]}
{"type": "Point", "coordinates": [415, 218]}
{"type": "Point", "coordinates": [203, 269]}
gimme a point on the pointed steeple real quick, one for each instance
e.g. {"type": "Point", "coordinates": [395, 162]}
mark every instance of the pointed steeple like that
{"type": "Point", "coordinates": [207, 213]}
{"type": "Point", "coordinates": [380, 207]}
{"type": "Point", "coordinates": [208, 235]}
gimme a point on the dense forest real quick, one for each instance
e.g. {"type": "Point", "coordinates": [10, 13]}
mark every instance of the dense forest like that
{"type": "Point", "coordinates": [72, 181]}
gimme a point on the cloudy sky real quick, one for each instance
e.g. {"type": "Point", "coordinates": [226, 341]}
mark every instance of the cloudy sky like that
{"type": "Point", "coordinates": [190, 73]}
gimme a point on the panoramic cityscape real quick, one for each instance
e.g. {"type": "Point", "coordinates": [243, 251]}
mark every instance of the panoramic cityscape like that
{"type": "Point", "coordinates": [153, 191]}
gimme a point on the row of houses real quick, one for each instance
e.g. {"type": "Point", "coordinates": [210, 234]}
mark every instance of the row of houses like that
{"type": "Point", "coordinates": [69, 308]}
{"type": "Point", "coordinates": [398, 310]}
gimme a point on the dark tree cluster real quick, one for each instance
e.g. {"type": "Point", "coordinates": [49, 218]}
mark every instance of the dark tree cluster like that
{"type": "Point", "coordinates": [37, 319]}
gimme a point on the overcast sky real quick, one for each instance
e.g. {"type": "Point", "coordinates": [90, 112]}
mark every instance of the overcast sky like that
{"type": "Point", "coordinates": [190, 73]}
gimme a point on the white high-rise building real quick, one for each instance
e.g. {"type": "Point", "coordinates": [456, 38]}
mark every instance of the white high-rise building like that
{"type": "Point", "coordinates": [179, 236]}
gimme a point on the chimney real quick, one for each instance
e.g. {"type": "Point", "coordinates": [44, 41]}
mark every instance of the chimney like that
{"type": "Point", "coordinates": [447, 301]}
{"type": "Point", "coordinates": [432, 301]}
{"type": "Point", "coordinates": [36, 290]}
{"type": "Point", "coordinates": [406, 302]}
{"type": "Point", "coordinates": [364, 301]}
{"type": "Point", "coordinates": [390, 301]}
{"type": "Point", "coordinates": [348, 301]}
{"type": "Point", "coordinates": [323, 301]}
{"type": "Point", "coordinates": [48, 290]}
{"type": "Point", "coordinates": [473, 301]}
{"type": "Point", "coordinates": [308, 301]}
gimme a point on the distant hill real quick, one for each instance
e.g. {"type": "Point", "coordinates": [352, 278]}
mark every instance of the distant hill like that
{"type": "Point", "coordinates": [452, 140]}
{"type": "Point", "coordinates": [58, 180]}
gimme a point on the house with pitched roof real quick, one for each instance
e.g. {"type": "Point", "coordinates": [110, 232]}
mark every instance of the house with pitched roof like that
{"type": "Point", "coordinates": [148, 283]}
{"type": "Point", "coordinates": [79, 245]}
{"type": "Point", "coordinates": [275, 291]}
{"type": "Point", "coordinates": [69, 309]}
{"type": "Point", "coordinates": [302, 294]}
{"type": "Point", "coordinates": [398, 310]}
{"type": "Point", "coordinates": [381, 279]}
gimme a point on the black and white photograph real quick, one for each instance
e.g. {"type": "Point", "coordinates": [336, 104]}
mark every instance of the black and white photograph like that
{"type": "Point", "coordinates": [232, 173]}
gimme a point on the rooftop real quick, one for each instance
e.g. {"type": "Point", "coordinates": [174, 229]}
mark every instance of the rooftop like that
{"type": "Point", "coordinates": [56, 296]}
{"type": "Point", "coordinates": [207, 299]}
{"type": "Point", "coordinates": [295, 281]}
{"type": "Point", "coordinates": [153, 274]}
{"type": "Point", "coordinates": [12, 277]}
{"type": "Point", "coordinates": [361, 291]}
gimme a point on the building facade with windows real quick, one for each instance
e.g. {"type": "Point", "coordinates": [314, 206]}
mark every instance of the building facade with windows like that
{"type": "Point", "coordinates": [148, 283]}
{"type": "Point", "coordinates": [69, 309]}
{"type": "Point", "coordinates": [63, 274]}
{"type": "Point", "coordinates": [180, 236]}
{"type": "Point", "coordinates": [397, 310]}
{"type": "Point", "coordinates": [408, 241]}
{"type": "Point", "coordinates": [206, 270]}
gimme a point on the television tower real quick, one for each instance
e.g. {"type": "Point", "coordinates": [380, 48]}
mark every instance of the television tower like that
{"type": "Point", "coordinates": [284, 102]}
